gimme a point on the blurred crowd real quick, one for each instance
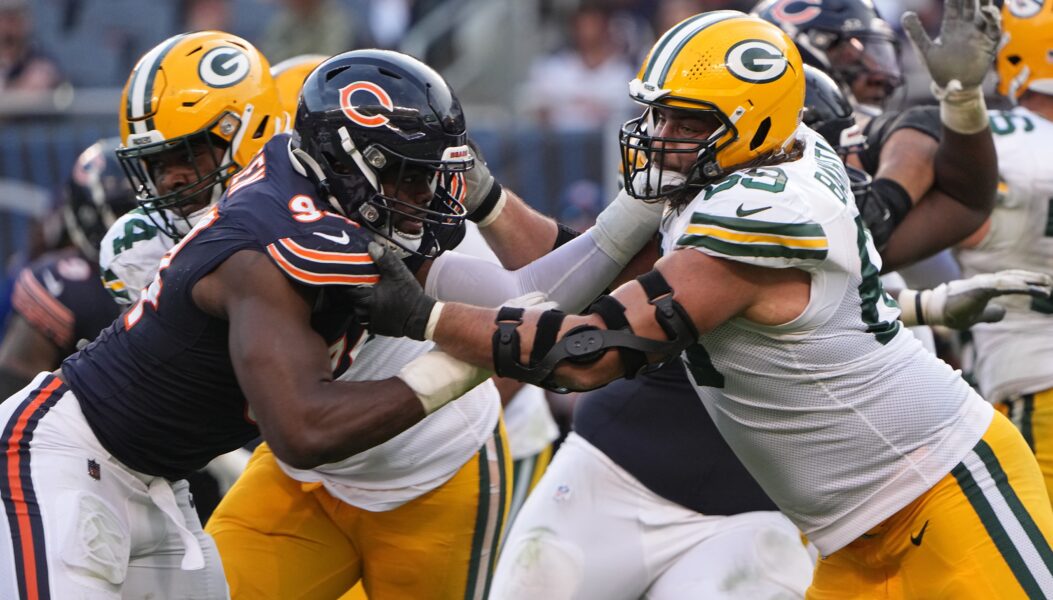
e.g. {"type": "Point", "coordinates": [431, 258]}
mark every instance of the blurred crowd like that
{"type": "Point", "coordinates": [546, 68]}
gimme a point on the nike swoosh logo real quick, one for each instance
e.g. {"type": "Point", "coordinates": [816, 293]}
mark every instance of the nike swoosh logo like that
{"type": "Point", "coordinates": [343, 238]}
{"type": "Point", "coordinates": [916, 539]}
{"type": "Point", "coordinates": [745, 213]}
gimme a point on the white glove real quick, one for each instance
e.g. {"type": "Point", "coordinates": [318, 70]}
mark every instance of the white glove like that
{"type": "Point", "coordinates": [959, 59]}
{"type": "Point", "coordinates": [962, 303]}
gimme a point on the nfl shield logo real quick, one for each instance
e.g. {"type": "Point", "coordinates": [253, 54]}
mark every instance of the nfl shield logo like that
{"type": "Point", "coordinates": [94, 470]}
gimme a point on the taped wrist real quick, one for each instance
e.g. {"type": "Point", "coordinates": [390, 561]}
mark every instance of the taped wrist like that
{"type": "Point", "coordinates": [911, 307]}
{"type": "Point", "coordinates": [488, 210]}
{"type": "Point", "coordinates": [436, 378]}
{"type": "Point", "coordinates": [962, 110]}
{"type": "Point", "coordinates": [587, 344]}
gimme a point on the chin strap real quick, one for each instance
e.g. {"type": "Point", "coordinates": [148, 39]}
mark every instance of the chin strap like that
{"type": "Point", "coordinates": [313, 171]}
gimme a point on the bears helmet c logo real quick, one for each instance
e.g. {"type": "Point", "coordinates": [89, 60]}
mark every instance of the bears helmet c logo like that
{"type": "Point", "coordinates": [352, 112]}
{"type": "Point", "coordinates": [800, 14]}
{"type": "Point", "coordinates": [755, 61]}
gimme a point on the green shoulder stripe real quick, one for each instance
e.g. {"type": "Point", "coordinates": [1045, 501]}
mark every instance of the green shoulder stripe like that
{"type": "Point", "coordinates": [755, 226]}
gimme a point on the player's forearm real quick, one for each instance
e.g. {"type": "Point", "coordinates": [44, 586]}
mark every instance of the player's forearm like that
{"type": "Point", "coordinates": [340, 419]}
{"type": "Point", "coordinates": [467, 333]}
{"type": "Point", "coordinates": [520, 234]}
{"type": "Point", "coordinates": [966, 169]}
{"type": "Point", "coordinates": [572, 276]}
{"type": "Point", "coordinates": [938, 221]}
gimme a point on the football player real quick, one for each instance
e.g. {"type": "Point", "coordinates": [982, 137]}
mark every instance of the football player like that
{"type": "Point", "coordinates": [932, 194]}
{"type": "Point", "coordinates": [59, 300]}
{"type": "Point", "coordinates": [620, 516]}
{"type": "Point", "coordinates": [242, 330]}
{"type": "Point", "coordinates": [1014, 357]}
{"type": "Point", "coordinates": [193, 113]}
{"type": "Point", "coordinates": [901, 475]}
{"type": "Point", "coordinates": [431, 501]}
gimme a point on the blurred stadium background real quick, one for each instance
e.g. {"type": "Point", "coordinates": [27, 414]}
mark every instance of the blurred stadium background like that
{"type": "Point", "coordinates": [543, 81]}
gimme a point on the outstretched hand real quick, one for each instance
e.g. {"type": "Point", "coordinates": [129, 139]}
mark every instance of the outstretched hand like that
{"type": "Point", "coordinates": [962, 303]}
{"type": "Point", "coordinates": [397, 305]}
{"type": "Point", "coordinates": [965, 47]}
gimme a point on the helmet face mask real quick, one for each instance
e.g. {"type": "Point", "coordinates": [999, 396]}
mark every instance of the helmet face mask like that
{"type": "Point", "coordinates": [204, 158]}
{"type": "Point", "coordinates": [388, 140]}
{"type": "Point", "coordinates": [200, 94]}
{"type": "Point", "coordinates": [740, 75]}
{"type": "Point", "coordinates": [694, 157]}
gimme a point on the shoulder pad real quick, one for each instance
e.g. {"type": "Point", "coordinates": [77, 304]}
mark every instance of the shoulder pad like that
{"type": "Point", "coordinates": [763, 228]}
{"type": "Point", "coordinates": [333, 253]}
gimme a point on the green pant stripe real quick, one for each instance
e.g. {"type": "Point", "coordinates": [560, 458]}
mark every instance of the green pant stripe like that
{"type": "Point", "coordinates": [481, 518]}
{"type": "Point", "coordinates": [998, 534]}
{"type": "Point", "coordinates": [495, 545]}
{"type": "Point", "coordinates": [987, 455]}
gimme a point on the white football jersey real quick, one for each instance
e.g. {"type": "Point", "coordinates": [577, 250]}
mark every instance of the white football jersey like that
{"type": "Point", "coordinates": [840, 414]}
{"type": "Point", "coordinates": [1015, 355]}
{"type": "Point", "coordinates": [129, 255]}
{"type": "Point", "coordinates": [419, 459]}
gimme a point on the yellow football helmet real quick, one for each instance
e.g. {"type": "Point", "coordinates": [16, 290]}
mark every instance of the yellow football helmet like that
{"type": "Point", "coordinates": [738, 71]}
{"type": "Point", "coordinates": [195, 91]}
{"type": "Point", "coordinates": [1025, 56]}
{"type": "Point", "coordinates": [289, 76]}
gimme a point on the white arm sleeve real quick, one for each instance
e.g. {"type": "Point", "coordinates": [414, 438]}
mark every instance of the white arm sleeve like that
{"type": "Point", "coordinates": [572, 275]}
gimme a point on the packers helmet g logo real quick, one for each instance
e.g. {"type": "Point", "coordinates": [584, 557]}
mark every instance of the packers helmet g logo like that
{"type": "Point", "coordinates": [1024, 9]}
{"type": "Point", "coordinates": [223, 67]}
{"type": "Point", "coordinates": [755, 61]}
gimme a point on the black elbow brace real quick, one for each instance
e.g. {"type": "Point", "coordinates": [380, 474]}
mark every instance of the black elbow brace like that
{"type": "Point", "coordinates": [587, 344]}
{"type": "Point", "coordinates": [883, 207]}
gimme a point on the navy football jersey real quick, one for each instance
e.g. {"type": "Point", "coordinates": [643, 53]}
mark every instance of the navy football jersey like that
{"type": "Point", "coordinates": [655, 427]}
{"type": "Point", "coordinates": [158, 387]}
{"type": "Point", "coordinates": [61, 296]}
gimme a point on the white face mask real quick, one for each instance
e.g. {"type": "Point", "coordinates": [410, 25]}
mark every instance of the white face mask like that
{"type": "Point", "coordinates": [182, 224]}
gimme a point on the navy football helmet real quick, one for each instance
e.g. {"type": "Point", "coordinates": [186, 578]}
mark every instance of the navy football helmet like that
{"type": "Point", "coordinates": [384, 138]}
{"type": "Point", "coordinates": [828, 113]}
{"type": "Point", "coordinates": [97, 193]}
{"type": "Point", "coordinates": [846, 38]}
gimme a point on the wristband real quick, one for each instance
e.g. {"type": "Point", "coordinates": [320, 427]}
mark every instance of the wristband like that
{"type": "Point", "coordinates": [488, 210]}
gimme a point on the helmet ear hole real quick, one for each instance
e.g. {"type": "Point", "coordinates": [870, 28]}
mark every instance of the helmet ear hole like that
{"type": "Point", "coordinates": [762, 132]}
{"type": "Point", "coordinates": [261, 131]}
{"type": "Point", "coordinates": [1014, 59]}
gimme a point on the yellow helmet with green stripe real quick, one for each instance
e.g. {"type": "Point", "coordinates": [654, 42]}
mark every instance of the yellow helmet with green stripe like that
{"type": "Point", "coordinates": [203, 90]}
{"type": "Point", "coordinates": [743, 71]}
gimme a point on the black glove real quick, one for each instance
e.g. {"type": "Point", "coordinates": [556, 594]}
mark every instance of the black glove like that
{"type": "Point", "coordinates": [398, 306]}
